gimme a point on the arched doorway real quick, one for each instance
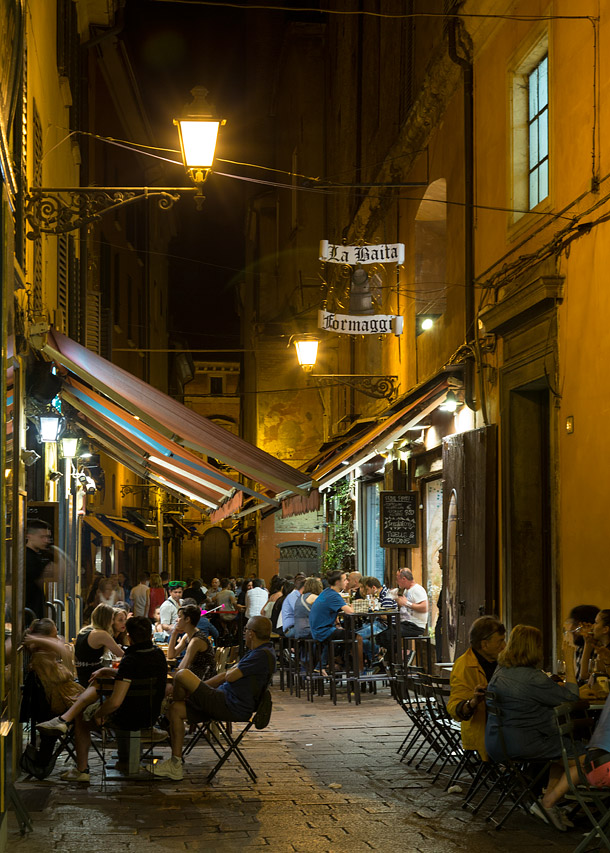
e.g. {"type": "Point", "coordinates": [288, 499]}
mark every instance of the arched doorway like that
{"type": "Point", "coordinates": [215, 554]}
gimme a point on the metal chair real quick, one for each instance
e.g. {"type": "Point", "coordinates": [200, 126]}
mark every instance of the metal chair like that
{"type": "Point", "coordinates": [518, 777]}
{"type": "Point", "coordinates": [589, 799]}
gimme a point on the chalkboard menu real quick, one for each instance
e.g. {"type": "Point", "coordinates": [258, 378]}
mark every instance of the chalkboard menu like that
{"type": "Point", "coordinates": [398, 519]}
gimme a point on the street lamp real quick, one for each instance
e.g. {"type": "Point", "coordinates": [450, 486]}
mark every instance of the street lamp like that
{"type": "Point", "coordinates": [378, 386]}
{"type": "Point", "coordinates": [198, 132]}
{"type": "Point", "coordinates": [60, 210]}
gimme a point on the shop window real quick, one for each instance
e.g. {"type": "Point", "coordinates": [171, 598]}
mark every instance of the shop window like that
{"type": "Point", "coordinates": [373, 555]}
{"type": "Point", "coordinates": [530, 130]}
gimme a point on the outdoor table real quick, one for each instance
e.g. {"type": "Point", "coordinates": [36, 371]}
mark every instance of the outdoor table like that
{"type": "Point", "coordinates": [394, 651]}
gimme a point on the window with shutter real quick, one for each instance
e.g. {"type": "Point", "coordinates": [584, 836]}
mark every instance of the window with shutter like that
{"type": "Point", "coordinates": [92, 325]}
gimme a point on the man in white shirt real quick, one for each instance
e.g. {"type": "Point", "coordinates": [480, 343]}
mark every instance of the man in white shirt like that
{"type": "Point", "coordinates": [412, 600]}
{"type": "Point", "coordinates": [256, 598]}
{"type": "Point", "coordinates": [140, 598]}
{"type": "Point", "coordinates": [168, 612]}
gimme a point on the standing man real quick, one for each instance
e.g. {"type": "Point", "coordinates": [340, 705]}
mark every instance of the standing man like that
{"type": "Point", "coordinates": [168, 612]}
{"type": "Point", "coordinates": [469, 678]}
{"type": "Point", "coordinates": [38, 560]}
{"type": "Point", "coordinates": [233, 695]}
{"type": "Point", "coordinates": [412, 600]}
{"type": "Point", "coordinates": [140, 597]}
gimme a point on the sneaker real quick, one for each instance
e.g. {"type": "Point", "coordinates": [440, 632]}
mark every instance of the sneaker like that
{"type": "Point", "coordinates": [169, 769]}
{"type": "Point", "coordinates": [76, 775]}
{"type": "Point", "coordinates": [556, 818]}
{"type": "Point", "coordinates": [550, 815]}
{"type": "Point", "coordinates": [538, 811]}
{"type": "Point", "coordinates": [53, 726]}
{"type": "Point", "coordinates": [154, 735]}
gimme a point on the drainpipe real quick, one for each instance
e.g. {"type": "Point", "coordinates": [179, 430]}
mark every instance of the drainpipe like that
{"type": "Point", "coordinates": [470, 332]}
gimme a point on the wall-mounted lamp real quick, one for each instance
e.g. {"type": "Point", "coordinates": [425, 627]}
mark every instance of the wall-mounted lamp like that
{"type": "Point", "coordinates": [307, 350]}
{"type": "Point", "coordinates": [373, 385]}
{"type": "Point", "coordinates": [425, 322]}
{"type": "Point", "coordinates": [55, 475]}
{"type": "Point", "coordinates": [68, 446]}
{"type": "Point", "coordinates": [59, 210]}
{"type": "Point", "coordinates": [51, 426]}
{"type": "Point", "coordinates": [450, 403]}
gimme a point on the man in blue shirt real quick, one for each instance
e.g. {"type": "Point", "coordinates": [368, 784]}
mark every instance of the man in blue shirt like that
{"type": "Point", "coordinates": [288, 606]}
{"type": "Point", "coordinates": [326, 608]}
{"type": "Point", "coordinates": [233, 695]}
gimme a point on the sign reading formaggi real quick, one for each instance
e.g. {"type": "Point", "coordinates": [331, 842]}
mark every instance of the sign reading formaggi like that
{"type": "Point", "coordinates": [387, 253]}
{"type": "Point", "coordinates": [353, 324]}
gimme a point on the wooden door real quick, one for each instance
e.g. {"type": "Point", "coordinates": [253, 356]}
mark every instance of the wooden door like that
{"type": "Point", "coordinates": [469, 533]}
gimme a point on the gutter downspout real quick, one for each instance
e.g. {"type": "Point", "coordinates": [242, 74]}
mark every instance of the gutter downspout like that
{"type": "Point", "coordinates": [470, 327]}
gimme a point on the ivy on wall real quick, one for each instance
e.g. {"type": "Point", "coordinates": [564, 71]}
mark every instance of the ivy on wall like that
{"type": "Point", "coordinates": [340, 548]}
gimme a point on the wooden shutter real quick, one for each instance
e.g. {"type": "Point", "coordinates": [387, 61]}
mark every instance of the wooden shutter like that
{"type": "Point", "coordinates": [469, 557]}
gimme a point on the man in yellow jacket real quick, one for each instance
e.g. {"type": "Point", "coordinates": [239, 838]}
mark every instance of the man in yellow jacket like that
{"type": "Point", "coordinates": [469, 678]}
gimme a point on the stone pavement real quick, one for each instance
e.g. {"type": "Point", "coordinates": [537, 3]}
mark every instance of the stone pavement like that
{"type": "Point", "coordinates": [296, 806]}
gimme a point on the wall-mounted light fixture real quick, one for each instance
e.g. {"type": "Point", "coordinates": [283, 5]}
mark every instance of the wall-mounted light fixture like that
{"type": "Point", "coordinates": [373, 385]}
{"type": "Point", "coordinates": [50, 427]}
{"type": "Point", "coordinates": [59, 210]}
{"type": "Point", "coordinates": [451, 403]}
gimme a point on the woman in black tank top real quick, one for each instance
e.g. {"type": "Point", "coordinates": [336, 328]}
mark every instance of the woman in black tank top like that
{"type": "Point", "coordinates": [92, 641]}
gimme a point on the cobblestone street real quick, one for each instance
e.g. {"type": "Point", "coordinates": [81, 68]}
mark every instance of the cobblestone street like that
{"type": "Point", "coordinates": [302, 758]}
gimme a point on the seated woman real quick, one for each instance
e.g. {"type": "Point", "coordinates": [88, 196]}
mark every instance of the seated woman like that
{"type": "Point", "coordinates": [575, 628]}
{"type": "Point", "coordinates": [527, 697]}
{"type": "Point", "coordinates": [119, 619]}
{"type": "Point", "coordinates": [596, 650]}
{"type": "Point", "coordinates": [275, 592]}
{"type": "Point", "coordinates": [302, 606]}
{"type": "Point", "coordinates": [91, 642]}
{"type": "Point", "coordinates": [198, 651]}
{"type": "Point", "coordinates": [51, 659]}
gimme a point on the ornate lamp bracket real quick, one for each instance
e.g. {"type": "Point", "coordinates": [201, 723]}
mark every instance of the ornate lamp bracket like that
{"type": "Point", "coordinates": [64, 209]}
{"type": "Point", "coordinates": [378, 386]}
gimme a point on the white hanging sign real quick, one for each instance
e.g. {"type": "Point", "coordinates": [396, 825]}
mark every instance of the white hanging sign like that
{"type": "Point", "coordinates": [362, 324]}
{"type": "Point", "coordinates": [387, 253]}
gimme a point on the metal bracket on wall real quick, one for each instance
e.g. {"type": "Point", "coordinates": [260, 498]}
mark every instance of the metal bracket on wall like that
{"type": "Point", "coordinates": [378, 386]}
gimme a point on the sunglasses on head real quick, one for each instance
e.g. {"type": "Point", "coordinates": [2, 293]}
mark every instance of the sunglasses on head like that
{"type": "Point", "coordinates": [176, 584]}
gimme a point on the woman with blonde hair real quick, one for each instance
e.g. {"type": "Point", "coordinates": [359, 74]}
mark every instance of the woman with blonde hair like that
{"type": "Point", "coordinates": [51, 660]}
{"type": "Point", "coordinates": [157, 594]}
{"type": "Point", "coordinates": [526, 697]}
{"type": "Point", "coordinates": [92, 640]}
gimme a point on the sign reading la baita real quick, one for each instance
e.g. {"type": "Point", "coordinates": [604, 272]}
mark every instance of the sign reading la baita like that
{"type": "Point", "coordinates": [386, 253]}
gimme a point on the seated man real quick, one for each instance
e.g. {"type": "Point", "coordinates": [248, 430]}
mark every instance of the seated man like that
{"type": "Point", "coordinates": [141, 660]}
{"type": "Point", "coordinates": [372, 588]}
{"type": "Point", "coordinates": [412, 600]}
{"type": "Point", "coordinates": [469, 678]}
{"type": "Point", "coordinates": [232, 696]}
{"type": "Point", "coordinates": [325, 610]}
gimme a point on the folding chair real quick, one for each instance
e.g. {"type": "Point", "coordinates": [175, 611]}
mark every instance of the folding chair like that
{"type": "Point", "coordinates": [230, 745]}
{"type": "Point", "coordinates": [590, 799]}
{"type": "Point", "coordinates": [518, 778]}
{"type": "Point", "coordinates": [34, 709]}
